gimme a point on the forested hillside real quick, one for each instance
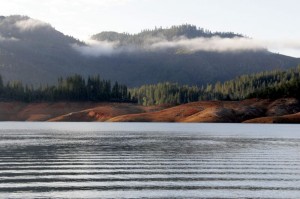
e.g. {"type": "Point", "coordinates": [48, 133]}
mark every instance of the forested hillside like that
{"type": "Point", "coordinates": [272, 84]}
{"type": "Point", "coordinates": [144, 37]}
{"type": "Point", "coordinates": [150, 65]}
{"type": "Point", "coordinates": [290, 88]}
{"type": "Point", "coordinates": [34, 52]}
{"type": "Point", "coordinates": [73, 88]}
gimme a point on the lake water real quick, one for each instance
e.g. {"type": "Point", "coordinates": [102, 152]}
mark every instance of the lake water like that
{"type": "Point", "coordinates": [137, 160]}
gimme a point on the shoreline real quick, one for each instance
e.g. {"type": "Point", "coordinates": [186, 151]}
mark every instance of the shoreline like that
{"type": "Point", "coordinates": [285, 110]}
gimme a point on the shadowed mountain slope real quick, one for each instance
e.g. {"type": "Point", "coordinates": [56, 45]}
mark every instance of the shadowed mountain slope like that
{"type": "Point", "coordinates": [34, 52]}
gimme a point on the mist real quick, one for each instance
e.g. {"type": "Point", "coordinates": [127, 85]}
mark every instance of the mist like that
{"type": "Point", "coordinates": [104, 48]}
{"type": "Point", "coordinates": [286, 44]}
{"type": "Point", "coordinates": [30, 24]}
{"type": "Point", "coordinates": [212, 44]}
{"type": "Point", "coordinates": [96, 48]}
{"type": "Point", "coordinates": [4, 39]}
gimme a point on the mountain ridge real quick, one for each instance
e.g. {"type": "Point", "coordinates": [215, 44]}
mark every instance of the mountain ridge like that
{"type": "Point", "coordinates": [174, 32]}
{"type": "Point", "coordinates": [35, 53]}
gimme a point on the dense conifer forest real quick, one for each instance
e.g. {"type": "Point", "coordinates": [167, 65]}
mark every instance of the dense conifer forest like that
{"type": "Point", "coordinates": [272, 84]}
{"type": "Point", "coordinates": [73, 88]}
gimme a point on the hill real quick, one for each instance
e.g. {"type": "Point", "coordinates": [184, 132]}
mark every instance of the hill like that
{"type": "Point", "coordinates": [268, 85]}
{"type": "Point", "coordinates": [250, 111]}
{"type": "Point", "coordinates": [217, 111]}
{"type": "Point", "coordinates": [67, 111]}
{"type": "Point", "coordinates": [149, 36]}
{"type": "Point", "coordinates": [34, 52]}
{"type": "Point", "coordinates": [180, 54]}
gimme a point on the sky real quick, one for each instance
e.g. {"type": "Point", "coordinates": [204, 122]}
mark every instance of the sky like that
{"type": "Point", "coordinates": [270, 21]}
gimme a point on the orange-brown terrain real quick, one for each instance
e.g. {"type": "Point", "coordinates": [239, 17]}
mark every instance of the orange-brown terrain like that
{"type": "Point", "coordinates": [249, 111]}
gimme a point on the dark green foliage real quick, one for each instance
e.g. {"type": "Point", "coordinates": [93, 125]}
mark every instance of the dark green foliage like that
{"type": "Point", "coordinates": [290, 88]}
{"type": "Point", "coordinates": [273, 84]}
{"type": "Point", "coordinates": [73, 88]}
{"type": "Point", "coordinates": [165, 93]}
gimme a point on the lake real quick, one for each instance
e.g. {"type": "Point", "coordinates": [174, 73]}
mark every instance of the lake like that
{"type": "Point", "coordinates": [139, 160]}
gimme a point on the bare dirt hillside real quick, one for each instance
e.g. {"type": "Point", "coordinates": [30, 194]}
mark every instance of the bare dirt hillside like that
{"type": "Point", "coordinates": [104, 112]}
{"type": "Point", "coordinates": [67, 111]}
{"type": "Point", "coordinates": [250, 111]}
{"type": "Point", "coordinates": [217, 111]}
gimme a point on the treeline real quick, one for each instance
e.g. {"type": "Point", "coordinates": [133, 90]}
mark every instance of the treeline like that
{"type": "Point", "coordinates": [288, 89]}
{"type": "Point", "coordinates": [272, 84]}
{"type": "Point", "coordinates": [187, 30]}
{"type": "Point", "coordinates": [73, 88]}
{"type": "Point", "coordinates": [165, 93]}
{"type": "Point", "coordinates": [247, 85]}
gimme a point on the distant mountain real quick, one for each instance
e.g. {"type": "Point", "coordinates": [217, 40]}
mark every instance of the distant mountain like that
{"type": "Point", "coordinates": [188, 31]}
{"type": "Point", "coordinates": [193, 69]}
{"type": "Point", "coordinates": [34, 52]}
{"type": "Point", "coordinates": [184, 65]}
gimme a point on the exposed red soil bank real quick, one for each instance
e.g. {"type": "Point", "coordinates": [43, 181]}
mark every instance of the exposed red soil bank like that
{"type": "Point", "coordinates": [250, 111]}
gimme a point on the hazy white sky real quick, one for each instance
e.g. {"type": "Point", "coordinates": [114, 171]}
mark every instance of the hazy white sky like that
{"type": "Point", "coordinates": [271, 20]}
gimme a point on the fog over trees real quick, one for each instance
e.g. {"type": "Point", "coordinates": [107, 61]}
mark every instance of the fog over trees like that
{"type": "Point", "coordinates": [185, 54]}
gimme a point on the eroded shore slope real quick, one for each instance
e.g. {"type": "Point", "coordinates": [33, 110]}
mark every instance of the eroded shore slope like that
{"type": "Point", "coordinates": [285, 110]}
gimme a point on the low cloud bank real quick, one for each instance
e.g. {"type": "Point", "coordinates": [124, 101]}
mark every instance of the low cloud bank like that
{"type": "Point", "coordinates": [96, 48]}
{"type": "Point", "coordinates": [213, 44]}
{"type": "Point", "coordinates": [3, 39]}
{"type": "Point", "coordinates": [287, 44]}
{"type": "Point", "coordinates": [30, 24]}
